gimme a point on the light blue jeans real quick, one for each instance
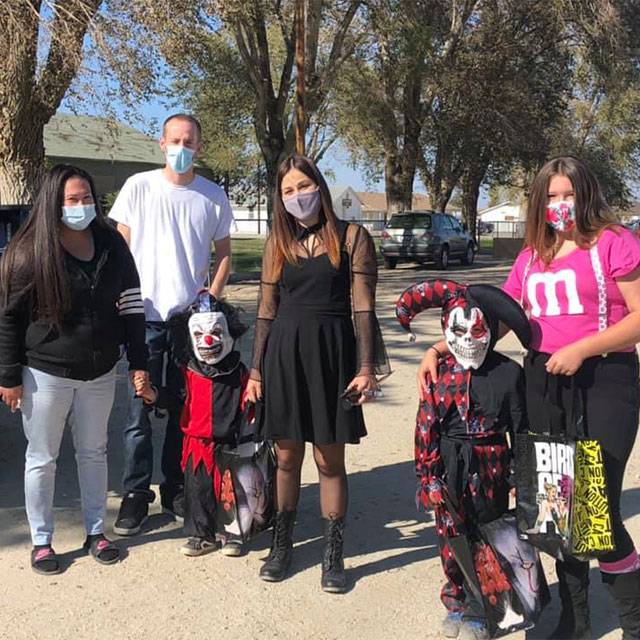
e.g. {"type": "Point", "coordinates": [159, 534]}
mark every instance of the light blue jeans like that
{"type": "Point", "coordinates": [46, 402]}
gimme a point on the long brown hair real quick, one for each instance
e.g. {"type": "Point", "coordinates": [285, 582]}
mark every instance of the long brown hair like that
{"type": "Point", "coordinates": [285, 227]}
{"type": "Point", "coordinates": [592, 213]}
{"type": "Point", "coordinates": [34, 261]}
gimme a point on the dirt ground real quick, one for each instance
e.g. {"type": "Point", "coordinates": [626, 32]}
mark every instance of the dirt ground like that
{"type": "Point", "coordinates": [155, 592]}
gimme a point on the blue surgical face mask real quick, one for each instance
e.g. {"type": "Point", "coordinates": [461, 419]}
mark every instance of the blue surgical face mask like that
{"type": "Point", "coordinates": [80, 217]}
{"type": "Point", "coordinates": [304, 206]}
{"type": "Point", "coordinates": [180, 158]}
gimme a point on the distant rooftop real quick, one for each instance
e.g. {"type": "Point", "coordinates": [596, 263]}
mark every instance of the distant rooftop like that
{"type": "Point", "coordinates": [91, 138]}
{"type": "Point", "coordinates": [377, 201]}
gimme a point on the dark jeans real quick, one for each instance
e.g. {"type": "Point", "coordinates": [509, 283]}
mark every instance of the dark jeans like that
{"type": "Point", "coordinates": [138, 447]}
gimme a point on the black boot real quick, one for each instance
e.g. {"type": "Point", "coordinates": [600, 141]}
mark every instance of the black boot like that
{"type": "Point", "coordinates": [625, 590]}
{"type": "Point", "coordinates": [334, 579]}
{"type": "Point", "coordinates": [573, 586]}
{"type": "Point", "coordinates": [279, 559]}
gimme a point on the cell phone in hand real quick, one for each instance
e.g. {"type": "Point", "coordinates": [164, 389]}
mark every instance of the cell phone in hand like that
{"type": "Point", "coordinates": [349, 398]}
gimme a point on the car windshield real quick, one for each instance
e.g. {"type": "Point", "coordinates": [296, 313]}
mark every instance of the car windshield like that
{"type": "Point", "coordinates": [409, 221]}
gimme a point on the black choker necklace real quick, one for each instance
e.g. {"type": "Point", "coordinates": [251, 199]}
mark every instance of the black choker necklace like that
{"type": "Point", "coordinates": [304, 232]}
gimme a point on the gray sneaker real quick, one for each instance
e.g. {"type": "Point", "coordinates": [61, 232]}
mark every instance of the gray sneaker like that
{"type": "Point", "coordinates": [194, 547]}
{"type": "Point", "coordinates": [473, 630]}
{"type": "Point", "coordinates": [231, 548]}
{"type": "Point", "coordinates": [451, 625]}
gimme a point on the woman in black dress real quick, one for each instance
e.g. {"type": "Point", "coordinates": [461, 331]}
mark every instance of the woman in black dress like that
{"type": "Point", "coordinates": [319, 277]}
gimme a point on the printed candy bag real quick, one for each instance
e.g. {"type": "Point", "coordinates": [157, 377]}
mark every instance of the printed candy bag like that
{"type": "Point", "coordinates": [592, 533]}
{"type": "Point", "coordinates": [562, 504]}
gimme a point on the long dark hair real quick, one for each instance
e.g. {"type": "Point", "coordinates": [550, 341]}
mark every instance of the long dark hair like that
{"type": "Point", "coordinates": [592, 213]}
{"type": "Point", "coordinates": [34, 261]}
{"type": "Point", "coordinates": [285, 227]}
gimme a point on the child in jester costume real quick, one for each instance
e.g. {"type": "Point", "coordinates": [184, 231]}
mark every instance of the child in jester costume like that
{"type": "Point", "coordinates": [461, 445]}
{"type": "Point", "coordinates": [203, 341]}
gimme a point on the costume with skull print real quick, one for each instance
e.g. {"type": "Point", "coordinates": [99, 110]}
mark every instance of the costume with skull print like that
{"type": "Point", "coordinates": [460, 440]}
{"type": "Point", "coordinates": [467, 335]}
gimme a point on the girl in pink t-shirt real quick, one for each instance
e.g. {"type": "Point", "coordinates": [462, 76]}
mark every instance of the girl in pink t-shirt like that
{"type": "Point", "coordinates": [578, 278]}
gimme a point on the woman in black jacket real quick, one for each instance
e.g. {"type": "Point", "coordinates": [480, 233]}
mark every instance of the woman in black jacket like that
{"type": "Point", "coordinates": [70, 302]}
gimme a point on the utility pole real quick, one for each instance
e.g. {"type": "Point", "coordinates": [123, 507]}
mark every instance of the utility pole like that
{"type": "Point", "coordinates": [300, 85]}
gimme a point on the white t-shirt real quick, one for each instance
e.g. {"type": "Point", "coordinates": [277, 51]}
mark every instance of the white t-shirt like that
{"type": "Point", "coordinates": [172, 228]}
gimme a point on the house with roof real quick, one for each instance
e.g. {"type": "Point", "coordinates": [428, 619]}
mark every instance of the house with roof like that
{"type": "Point", "coordinates": [374, 204]}
{"type": "Point", "coordinates": [346, 203]}
{"type": "Point", "coordinates": [110, 151]}
{"type": "Point", "coordinates": [505, 219]}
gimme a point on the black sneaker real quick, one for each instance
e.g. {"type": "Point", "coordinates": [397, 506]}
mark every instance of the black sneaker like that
{"type": "Point", "coordinates": [133, 513]}
{"type": "Point", "coordinates": [174, 507]}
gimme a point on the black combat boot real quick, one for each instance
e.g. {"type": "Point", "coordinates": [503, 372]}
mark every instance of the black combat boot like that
{"type": "Point", "coordinates": [573, 586]}
{"type": "Point", "coordinates": [279, 559]}
{"type": "Point", "coordinates": [334, 579]}
{"type": "Point", "coordinates": [625, 590]}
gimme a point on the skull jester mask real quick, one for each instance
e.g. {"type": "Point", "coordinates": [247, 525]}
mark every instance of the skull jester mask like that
{"type": "Point", "coordinates": [470, 317]}
{"type": "Point", "coordinates": [467, 334]}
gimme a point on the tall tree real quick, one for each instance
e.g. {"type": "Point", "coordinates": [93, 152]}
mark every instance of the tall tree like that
{"type": "Point", "coordinates": [601, 42]}
{"type": "Point", "coordinates": [393, 82]}
{"type": "Point", "coordinates": [506, 84]}
{"type": "Point", "coordinates": [263, 33]}
{"type": "Point", "coordinates": [99, 50]}
{"type": "Point", "coordinates": [32, 87]}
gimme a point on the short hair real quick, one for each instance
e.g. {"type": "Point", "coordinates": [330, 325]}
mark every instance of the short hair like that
{"type": "Point", "coordinates": [183, 116]}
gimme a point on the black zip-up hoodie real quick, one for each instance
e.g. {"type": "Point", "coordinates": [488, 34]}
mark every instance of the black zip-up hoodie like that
{"type": "Point", "coordinates": [106, 313]}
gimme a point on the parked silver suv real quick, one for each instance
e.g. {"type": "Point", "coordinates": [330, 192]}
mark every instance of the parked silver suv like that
{"type": "Point", "coordinates": [423, 236]}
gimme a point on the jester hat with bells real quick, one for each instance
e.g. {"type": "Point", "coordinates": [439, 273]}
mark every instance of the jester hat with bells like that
{"type": "Point", "coordinates": [471, 316]}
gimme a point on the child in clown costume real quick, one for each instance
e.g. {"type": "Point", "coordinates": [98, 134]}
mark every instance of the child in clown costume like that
{"type": "Point", "coordinates": [215, 379]}
{"type": "Point", "coordinates": [461, 445]}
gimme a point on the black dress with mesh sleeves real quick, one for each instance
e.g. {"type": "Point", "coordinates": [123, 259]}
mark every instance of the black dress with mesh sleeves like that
{"type": "Point", "coordinates": [316, 329]}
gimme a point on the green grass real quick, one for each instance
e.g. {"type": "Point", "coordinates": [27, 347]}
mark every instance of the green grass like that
{"type": "Point", "coordinates": [246, 253]}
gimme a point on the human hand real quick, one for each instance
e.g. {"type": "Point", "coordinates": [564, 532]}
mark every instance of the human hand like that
{"type": "Point", "coordinates": [365, 385]}
{"type": "Point", "coordinates": [148, 393]}
{"type": "Point", "coordinates": [139, 380]}
{"type": "Point", "coordinates": [566, 361]}
{"type": "Point", "coordinates": [11, 396]}
{"type": "Point", "coordinates": [428, 370]}
{"type": "Point", "coordinates": [253, 392]}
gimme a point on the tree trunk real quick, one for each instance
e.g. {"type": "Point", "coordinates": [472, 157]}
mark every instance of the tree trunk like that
{"type": "Point", "coordinates": [272, 186]}
{"type": "Point", "coordinates": [272, 160]}
{"type": "Point", "coordinates": [399, 173]}
{"type": "Point", "coordinates": [21, 161]}
{"type": "Point", "coordinates": [471, 182]}
{"type": "Point", "coordinates": [439, 195]}
{"type": "Point", "coordinates": [398, 192]}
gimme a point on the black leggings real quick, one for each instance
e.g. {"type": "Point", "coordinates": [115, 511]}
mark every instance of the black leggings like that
{"type": "Point", "coordinates": [610, 392]}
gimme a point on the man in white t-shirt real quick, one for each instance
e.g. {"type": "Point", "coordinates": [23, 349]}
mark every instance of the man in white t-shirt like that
{"type": "Point", "coordinates": [170, 217]}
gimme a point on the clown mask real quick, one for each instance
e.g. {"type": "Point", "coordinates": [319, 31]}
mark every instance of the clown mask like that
{"type": "Point", "coordinates": [467, 336]}
{"type": "Point", "coordinates": [210, 336]}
